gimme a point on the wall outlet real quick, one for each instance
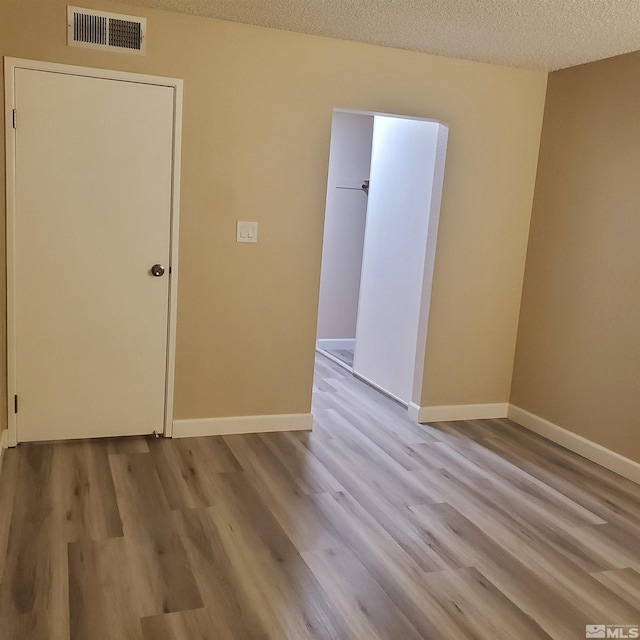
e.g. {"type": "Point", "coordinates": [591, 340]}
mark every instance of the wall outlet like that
{"type": "Point", "coordinates": [247, 231]}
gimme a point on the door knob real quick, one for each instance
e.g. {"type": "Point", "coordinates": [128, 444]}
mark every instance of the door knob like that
{"type": "Point", "coordinates": [157, 270]}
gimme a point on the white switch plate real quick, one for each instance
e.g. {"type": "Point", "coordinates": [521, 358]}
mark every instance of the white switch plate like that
{"type": "Point", "coordinates": [247, 231]}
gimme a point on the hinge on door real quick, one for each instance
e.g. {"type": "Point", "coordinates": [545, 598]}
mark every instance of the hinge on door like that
{"type": "Point", "coordinates": [15, 404]}
{"type": "Point", "coordinates": [169, 269]}
{"type": "Point", "coordinates": [14, 118]}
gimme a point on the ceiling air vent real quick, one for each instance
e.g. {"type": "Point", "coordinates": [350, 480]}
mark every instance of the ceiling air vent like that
{"type": "Point", "coordinates": [109, 31]}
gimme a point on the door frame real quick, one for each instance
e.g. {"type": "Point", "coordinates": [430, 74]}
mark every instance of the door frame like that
{"type": "Point", "coordinates": [431, 241]}
{"type": "Point", "coordinates": [10, 66]}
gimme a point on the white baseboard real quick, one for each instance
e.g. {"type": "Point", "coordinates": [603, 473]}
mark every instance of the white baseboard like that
{"type": "Point", "coordinates": [382, 390]}
{"type": "Point", "coordinates": [242, 424]}
{"type": "Point", "coordinates": [586, 448]}
{"type": "Point", "coordinates": [447, 413]}
{"type": "Point", "coordinates": [334, 359]}
{"type": "Point", "coordinates": [336, 343]}
{"type": "Point", "coordinates": [4, 444]}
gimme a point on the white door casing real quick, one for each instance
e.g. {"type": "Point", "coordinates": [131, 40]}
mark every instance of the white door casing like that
{"type": "Point", "coordinates": [92, 204]}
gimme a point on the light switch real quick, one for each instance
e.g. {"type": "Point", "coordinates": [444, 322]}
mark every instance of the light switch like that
{"type": "Point", "coordinates": [247, 232]}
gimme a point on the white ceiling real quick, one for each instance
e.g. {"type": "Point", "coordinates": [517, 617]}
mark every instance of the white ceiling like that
{"type": "Point", "coordinates": [533, 34]}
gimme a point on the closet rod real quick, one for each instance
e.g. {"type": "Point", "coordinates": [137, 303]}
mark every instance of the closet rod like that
{"type": "Point", "coordinates": [364, 187]}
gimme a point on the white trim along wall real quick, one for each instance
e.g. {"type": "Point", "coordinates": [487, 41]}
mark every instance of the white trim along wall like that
{"type": "Point", "coordinates": [242, 424]}
{"type": "Point", "coordinates": [586, 448]}
{"type": "Point", "coordinates": [606, 458]}
{"type": "Point", "coordinates": [4, 443]}
{"type": "Point", "coordinates": [447, 413]}
{"type": "Point", "coordinates": [336, 343]}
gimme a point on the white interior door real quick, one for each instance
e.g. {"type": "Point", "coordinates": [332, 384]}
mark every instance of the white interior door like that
{"type": "Point", "coordinates": [93, 198]}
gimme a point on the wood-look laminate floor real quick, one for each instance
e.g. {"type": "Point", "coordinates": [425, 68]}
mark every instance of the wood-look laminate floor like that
{"type": "Point", "coordinates": [369, 528]}
{"type": "Point", "coordinates": [344, 355]}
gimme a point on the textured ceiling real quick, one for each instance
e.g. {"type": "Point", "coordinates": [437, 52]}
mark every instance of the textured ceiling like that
{"type": "Point", "coordinates": [533, 34]}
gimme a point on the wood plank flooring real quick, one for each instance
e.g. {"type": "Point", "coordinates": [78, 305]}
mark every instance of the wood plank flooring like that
{"type": "Point", "coordinates": [370, 528]}
{"type": "Point", "coordinates": [344, 355]}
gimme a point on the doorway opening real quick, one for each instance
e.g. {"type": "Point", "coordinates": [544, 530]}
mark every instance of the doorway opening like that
{"type": "Point", "coordinates": [384, 191]}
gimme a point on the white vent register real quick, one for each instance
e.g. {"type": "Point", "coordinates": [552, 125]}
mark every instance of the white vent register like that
{"type": "Point", "coordinates": [107, 31]}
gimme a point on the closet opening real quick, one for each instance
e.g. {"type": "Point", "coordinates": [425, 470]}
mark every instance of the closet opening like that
{"type": "Point", "coordinates": [381, 220]}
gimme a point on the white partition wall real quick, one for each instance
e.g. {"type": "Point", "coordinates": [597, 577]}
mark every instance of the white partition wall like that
{"type": "Point", "coordinates": [392, 289]}
{"type": "Point", "coordinates": [349, 160]}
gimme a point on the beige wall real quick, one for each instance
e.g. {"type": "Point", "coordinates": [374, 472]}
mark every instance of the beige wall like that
{"type": "Point", "coordinates": [578, 356]}
{"type": "Point", "coordinates": [257, 121]}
